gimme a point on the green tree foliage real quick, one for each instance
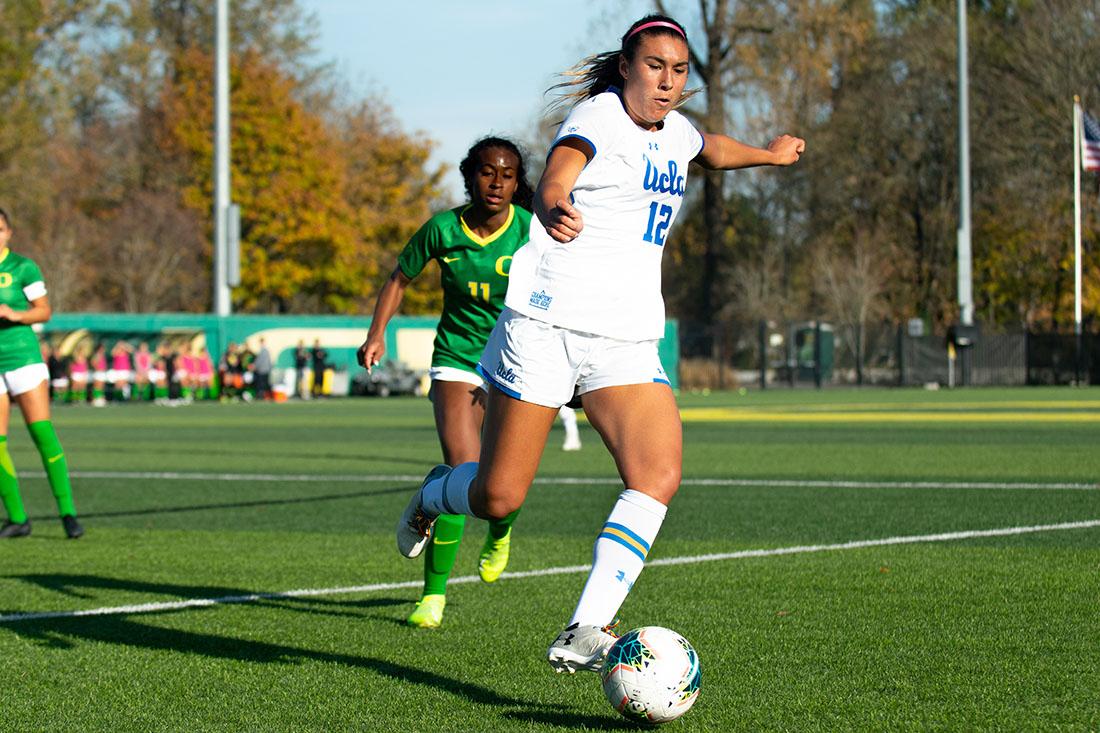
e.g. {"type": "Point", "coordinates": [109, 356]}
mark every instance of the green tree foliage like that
{"type": "Point", "coordinates": [322, 206]}
{"type": "Point", "coordinates": [105, 158]}
{"type": "Point", "coordinates": [391, 191]}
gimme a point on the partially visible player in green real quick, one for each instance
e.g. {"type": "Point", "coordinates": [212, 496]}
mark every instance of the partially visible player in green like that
{"type": "Point", "coordinates": [473, 245]}
{"type": "Point", "coordinates": [24, 378]}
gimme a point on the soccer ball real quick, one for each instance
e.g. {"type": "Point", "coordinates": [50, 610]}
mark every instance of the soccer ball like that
{"type": "Point", "coordinates": [651, 675]}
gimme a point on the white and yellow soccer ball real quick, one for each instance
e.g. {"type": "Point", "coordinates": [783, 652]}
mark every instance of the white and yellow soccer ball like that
{"type": "Point", "coordinates": [651, 675]}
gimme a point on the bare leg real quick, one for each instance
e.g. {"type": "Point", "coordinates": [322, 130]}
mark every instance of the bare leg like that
{"type": "Point", "coordinates": [459, 412]}
{"type": "Point", "coordinates": [459, 409]}
{"type": "Point", "coordinates": [515, 435]}
{"type": "Point", "coordinates": [641, 427]}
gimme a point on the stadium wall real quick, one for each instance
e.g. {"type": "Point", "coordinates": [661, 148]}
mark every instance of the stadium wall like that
{"type": "Point", "coordinates": [408, 338]}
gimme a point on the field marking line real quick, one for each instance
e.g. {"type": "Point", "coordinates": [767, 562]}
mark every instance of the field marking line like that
{"type": "Point", "coordinates": [932, 406]}
{"type": "Point", "coordinates": [577, 480]}
{"type": "Point", "coordinates": [747, 415]}
{"type": "Point", "coordinates": [561, 570]}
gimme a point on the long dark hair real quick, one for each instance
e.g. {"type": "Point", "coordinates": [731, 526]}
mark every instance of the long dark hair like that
{"type": "Point", "coordinates": [524, 194]}
{"type": "Point", "coordinates": [598, 73]}
{"type": "Point", "coordinates": [4, 216]}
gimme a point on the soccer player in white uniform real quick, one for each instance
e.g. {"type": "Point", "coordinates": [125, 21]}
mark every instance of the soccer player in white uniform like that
{"type": "Point", "coordinates": [584, 308]}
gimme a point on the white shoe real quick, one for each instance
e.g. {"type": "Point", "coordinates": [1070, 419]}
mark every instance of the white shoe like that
{"type": "Point", "coordinates": [580, 648]}
{"type": "Point", "coordinates": [572, 442]}
{"type": "Point", "coordinates": [414, 529]}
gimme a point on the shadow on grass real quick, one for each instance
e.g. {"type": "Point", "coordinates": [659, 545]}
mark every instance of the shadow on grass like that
{"type": "Point", "coordinates": [124, 630]}
{"type": "Point", "coordinates": [239, 504]}
{"type": "Point", "coordinates": [64, 633]}
{"type": "Point", "coordinates": [561, 719]}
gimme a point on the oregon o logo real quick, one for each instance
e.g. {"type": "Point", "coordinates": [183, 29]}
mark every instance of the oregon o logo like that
{"type": "Point", "coordinates": [500, 266]}
{"type": "Point", "coordinates": [5, 279]}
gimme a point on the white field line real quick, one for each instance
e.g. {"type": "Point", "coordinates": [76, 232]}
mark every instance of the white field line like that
{"type": "Point", "coordinates": [562, 570]}
{"type": "Point", "coordinates": [574, 480]}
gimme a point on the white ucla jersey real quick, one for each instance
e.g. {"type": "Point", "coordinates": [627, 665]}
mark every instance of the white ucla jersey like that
{"type": "Point", "coordinates": [607, 281]}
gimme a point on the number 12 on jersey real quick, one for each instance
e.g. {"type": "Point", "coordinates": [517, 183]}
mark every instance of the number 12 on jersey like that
{"type": "Point", "coordinates": [659, 219]}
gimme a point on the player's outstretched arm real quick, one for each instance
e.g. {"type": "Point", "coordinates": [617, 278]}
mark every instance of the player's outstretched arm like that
{"type": "Point", "coordinates": [722, 152]}
{"type": "Point", "coordinates": [389, 300]}
{"type": "Point", "coordinates": [560, 219]}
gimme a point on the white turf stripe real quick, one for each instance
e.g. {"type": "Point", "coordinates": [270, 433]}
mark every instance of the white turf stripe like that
{"type": "Point", "coordinates": [564, 570]}
{"type": "Point", "coordinates": [573, 480]}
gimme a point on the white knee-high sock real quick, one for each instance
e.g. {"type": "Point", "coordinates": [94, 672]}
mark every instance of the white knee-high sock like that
{"type": "Point", "coordinates": [450, 493]}
{"type": "Point", "coordinates": [619, 556]}
{"type": "Point", "coordinates": [568, 421]}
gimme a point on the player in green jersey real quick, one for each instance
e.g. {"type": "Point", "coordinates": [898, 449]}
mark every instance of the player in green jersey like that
{"type": "Point", "coordinates": [473, 245]}
{"type": "Point", "coordinates": [24, 379]}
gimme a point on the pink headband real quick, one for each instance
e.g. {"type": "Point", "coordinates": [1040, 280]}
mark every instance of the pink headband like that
{"type": "Point", "coordinates": [655, 24]}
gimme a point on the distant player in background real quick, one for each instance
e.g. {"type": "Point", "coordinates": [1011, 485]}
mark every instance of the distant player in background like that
{"type": "Point", "coordinates": [319, 357]}
{"type": "Point", "coordinates": [23, 379]}
{"type": "Point", "coordinates": [262, 368]}
{"type": "Point", "coordinates": [161, 374]}
{"type": "Point", "coordinates": [232, 373]}
{"type": "Point", "coordinates": [185, 372]}
{"type": "Point", "coordinates": [122, 372]}
{"type": "Point", "coordinates": [143, 366]}
{"type": "Point", "coordinates": [205, 365]}
{"type": "Point", "coordinates": [78, 376]}
{"type": "Point", "coordinates": [473, 245]}
{"type": "Point", "coordinates": [585, 312]}
{"type": "Point", "coordinates": [59, 377]}
{"type": "Point", "coordinates": [301, 360]}
{"type": "Point", "coordinates": [99, 375]}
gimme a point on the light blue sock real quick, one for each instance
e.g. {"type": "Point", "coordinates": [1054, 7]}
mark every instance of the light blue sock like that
{"type": "Point", "coordinates": [450, 493]}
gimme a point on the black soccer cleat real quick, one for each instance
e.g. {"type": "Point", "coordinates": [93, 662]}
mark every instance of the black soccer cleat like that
{"type": "Point", "coordinates": [72, 527]}
{"type": "Point", "coordinates": [13, 529]}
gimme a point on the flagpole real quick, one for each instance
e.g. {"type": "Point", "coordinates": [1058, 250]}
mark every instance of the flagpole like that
{"type": "Point", "coordinates": [963, 238]}
{"type": "Point", "coordinates": [1077, 237]}
{"type": "Point", "coordinates": [222, 302]}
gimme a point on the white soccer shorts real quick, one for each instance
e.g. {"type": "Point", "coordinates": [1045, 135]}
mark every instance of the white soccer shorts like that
{"type": "Point", "coordinates": [23, 379]}
{"type": "Point", "coordinates": [454, 374]}
{"type": "Point", "coordinates": [537, 362]}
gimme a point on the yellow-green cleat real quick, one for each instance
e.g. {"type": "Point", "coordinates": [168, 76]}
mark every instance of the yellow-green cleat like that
{"type": "Point", "coordinates": [428, 613]}
{"type": "Point", "coordinates": [494, 557]}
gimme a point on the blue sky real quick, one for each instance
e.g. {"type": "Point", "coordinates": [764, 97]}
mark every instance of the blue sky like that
{"type": "Point", "coordinates": [457, 70]}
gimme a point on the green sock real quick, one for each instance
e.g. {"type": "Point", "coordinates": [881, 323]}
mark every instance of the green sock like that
{"type": "Point", "coordinates": [160, 392]}
{"type": "Point", "coordinates": [441, 552]}
{"type": "Point", "coordinates": [9, 485]}
{"type": "Point", "coordinates": [498, 528]}
{"type": "Point", "coordinates": [53, 460]}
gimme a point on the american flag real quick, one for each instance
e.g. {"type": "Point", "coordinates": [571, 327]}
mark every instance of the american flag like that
{"type": "Point", "coordinates": [1090, 142]}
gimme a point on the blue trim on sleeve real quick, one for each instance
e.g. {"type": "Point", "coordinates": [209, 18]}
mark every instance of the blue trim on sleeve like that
{"type": "Point", "coordinates": [702, 143]}
{"type": "Point", "coordinates": [566, 137]}
{"type": "Point", "coordinates": [662, 381]}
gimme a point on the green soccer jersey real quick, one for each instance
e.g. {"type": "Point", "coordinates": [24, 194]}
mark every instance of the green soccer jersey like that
{"type": "Point", "coordinates": [20, 283]}
{"type": "Point", "coordinates": [475, 278]}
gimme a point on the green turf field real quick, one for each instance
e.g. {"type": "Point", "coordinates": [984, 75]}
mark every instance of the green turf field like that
{"type": "Point", "coordinates": [874, 602]}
